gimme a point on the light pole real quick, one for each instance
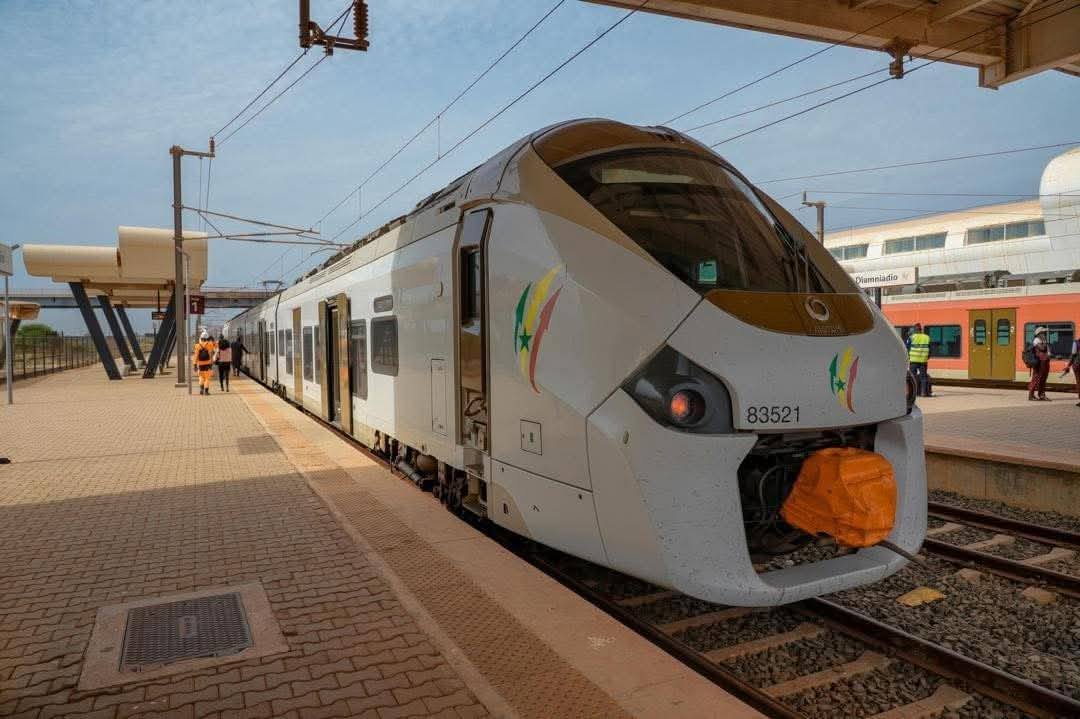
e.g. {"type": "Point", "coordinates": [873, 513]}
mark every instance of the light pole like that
{"type": "Point", "coordinates": [187, 321]}
{"type": "Point", "coordinates": [9, 374]}
{"type": "Point", "coordinates": [180, 308]}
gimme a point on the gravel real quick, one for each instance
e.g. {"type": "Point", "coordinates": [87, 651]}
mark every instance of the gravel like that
{"type": "Point", "coordinates": [988, 621]}
{"type": "Point", "coordinates": [980, 707]}
{"type": "Point", "coordinates": [1020, 549]}
{"type": "Point", "coordinates": [867, 694]}
{"type": "Point", "coordinates": [1066, 566]}
{"type": "Point", "coordinates": [934, 522]}
{"type": "Point", "coordinates": [795, 660]}
{"type": "Point", "coordinates": [1048, 519]}
{"type": "Point", "coordinates": [813, 552]}
{"type": "Point", "coordinates": [965, 535]}
{"type": "Point", "coordinates": [673, 609]}
{"type": "Point", "coordinates": [739, 630]}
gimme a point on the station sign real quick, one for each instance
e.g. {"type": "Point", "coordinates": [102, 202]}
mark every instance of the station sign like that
{"type": "Point", "coordinates": [197, 304]}
{"type": "Point", "coordinates": [157, 316]}
{"type": "Point", "coordinates": [7, 267]}
{"type": "Point", "coordinates": [896, 277]}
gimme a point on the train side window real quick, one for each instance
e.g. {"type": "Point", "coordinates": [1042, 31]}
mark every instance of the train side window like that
{"type": "Point", "coordinates": [308, 349]}
{"type": "Point", "coordinates": [1004, 332]}
{"type": "Point", "coordinates": [358, 358]}
{"type": "Point", "coordinates": [944, 340]}
{"type": "Point", "coordinates": [471, 287]}
{"type": "Point", "coordinates": [281, 344]}
{"type": "Point", "coordinates": [1059, 337]}
{"type": "Point", "coordinates": [384, 346]}
{"type": "Point", "coordinates": [979, 335]}
{"type": "Point", "coordinates": [270, 345]}
{"type": "Point", "coordinates": [318, 357]}
{"type": "Point", "coordinates": [288, 351]}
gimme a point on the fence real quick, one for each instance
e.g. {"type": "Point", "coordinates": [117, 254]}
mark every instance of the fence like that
{"type": "Point", "coordinates": [36, 356]}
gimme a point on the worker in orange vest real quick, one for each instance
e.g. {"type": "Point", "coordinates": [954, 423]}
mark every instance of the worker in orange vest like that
{"type": "Point", "coordinates": [203, 359]}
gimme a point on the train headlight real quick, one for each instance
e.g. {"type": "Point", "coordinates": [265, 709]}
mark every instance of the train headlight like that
{"type": "Point", "coordinates": [678, 393]}
{"type": "Point", "coordinates": [686, 407]}
{"type": "Point", "coordinates": [912, 389]}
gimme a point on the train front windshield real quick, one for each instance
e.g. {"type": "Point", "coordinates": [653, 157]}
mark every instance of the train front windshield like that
{"type": "Point", "coordinates": [696, 218]}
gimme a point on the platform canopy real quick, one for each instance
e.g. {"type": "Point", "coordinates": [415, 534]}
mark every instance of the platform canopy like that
{"type": "Point", "coordinates": [1007, 40]}
{"type": "Point", "coordinates": [21, 310]}
{"type": "Point", "coordinates": [134, 273]}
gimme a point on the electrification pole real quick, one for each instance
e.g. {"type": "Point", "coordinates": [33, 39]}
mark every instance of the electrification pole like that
{"type": "Point", "coordinates": [180, 308]}
{"type": "Point", "coordinates": [820, 205]}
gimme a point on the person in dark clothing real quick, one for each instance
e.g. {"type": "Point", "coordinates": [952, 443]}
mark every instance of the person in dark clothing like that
{"type": "Point", "coordinates": [1074, 366]}
{"type": "Point", "coordinates": [224, 361]}
{"type": "Point", "coordinates": [238, 349]}
{"type": "Point", "coordinates": [1039, 373]}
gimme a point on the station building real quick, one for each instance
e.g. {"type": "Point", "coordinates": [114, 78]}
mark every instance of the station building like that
{"type": "Point", "coordinates": [987, 276]}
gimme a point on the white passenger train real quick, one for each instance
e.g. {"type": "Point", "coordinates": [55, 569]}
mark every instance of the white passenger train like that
{"type": "Point", "coordinates": [605, 339]}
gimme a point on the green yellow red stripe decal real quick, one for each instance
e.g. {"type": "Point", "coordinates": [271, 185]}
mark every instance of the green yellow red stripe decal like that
{"type": "Point", "coordinates": [532, 315]}
{"type": "Point", "coordinates": [843, 371]}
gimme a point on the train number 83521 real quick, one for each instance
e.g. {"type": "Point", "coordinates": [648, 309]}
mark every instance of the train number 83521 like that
{"type": "Point", "coordinates": [774, 414]}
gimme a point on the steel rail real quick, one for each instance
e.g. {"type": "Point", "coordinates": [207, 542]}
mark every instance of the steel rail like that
{"type": "Point", "coordinates": [1007, 525]}
{"type": "Point", "coordinates": [990, 681]}
{"type": "Point", "coordinates": [1002, 566]}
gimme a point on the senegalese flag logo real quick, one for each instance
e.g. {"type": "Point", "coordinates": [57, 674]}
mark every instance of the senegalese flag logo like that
{"type": "Point", "coordinates": [531, 319]}
{"type": "Point", "coordinates": [843, 370]}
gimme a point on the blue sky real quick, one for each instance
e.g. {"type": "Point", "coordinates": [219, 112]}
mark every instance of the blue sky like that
{"type": "Point", "coordinates": [96, 91]}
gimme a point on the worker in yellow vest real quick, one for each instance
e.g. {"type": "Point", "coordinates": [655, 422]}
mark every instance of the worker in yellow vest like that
{"type": "Point", "coordinates": [918, 344]}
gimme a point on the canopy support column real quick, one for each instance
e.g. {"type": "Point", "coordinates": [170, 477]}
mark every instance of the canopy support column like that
{"type": "Point", "coordinates": [92, 326]}
{"type": "Point", "coordinates": [117, 333]}
{"type": "Point", "coordinates": [121, 314]}
{"type": "Point", "coordinates": [161, 343]}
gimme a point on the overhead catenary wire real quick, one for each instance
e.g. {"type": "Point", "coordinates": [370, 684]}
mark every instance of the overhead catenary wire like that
{"type": "Point", "coordinates": [908, 72]}
{"type": "Point", "coordinates": [438, 115]}
{"type": "Point", "coordinates": [801, 60]}
{"type": "Point", "coordinates": [248, 220]}
{"type": "Point", "coordinates": [916, 163]}
{"type": "Point", "coordinates": [525, 93]}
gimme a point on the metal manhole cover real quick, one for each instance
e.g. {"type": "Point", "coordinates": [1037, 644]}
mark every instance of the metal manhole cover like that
{"type": "Point", "coordinates": [160, 634]}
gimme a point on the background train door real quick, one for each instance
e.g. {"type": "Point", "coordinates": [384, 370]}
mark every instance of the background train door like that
{"type": "Point", "coordinates": [334, 334]}
{"type": "Point", "coordinates": [262, 351]}
{"type": "Point", "coordinates": [992, 346]}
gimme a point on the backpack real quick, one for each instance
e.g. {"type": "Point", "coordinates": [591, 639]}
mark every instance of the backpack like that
{"type": "Point", "coordinates": [204, 354]}
{"type": "Point", "coordinates": [1028, 355]}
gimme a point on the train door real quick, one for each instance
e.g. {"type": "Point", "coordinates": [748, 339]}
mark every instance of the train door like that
{"type": "Point", "coordinates": [1003, 350]}
{"type": "Point", "coordinates": [992, 349]}
{"type": "Point", "coordinates": [472, 371]}
{"type": "Point", "coordinates": [979, 354]}
{"type": "Point", "coordinates": [263, 351]}
{"type": "Point", "coordinates": [335, 372]}
{"type": "Point", "coordinates": [297, 358]}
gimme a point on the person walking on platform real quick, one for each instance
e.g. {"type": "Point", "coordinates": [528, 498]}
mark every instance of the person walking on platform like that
{"type": "Point", "coordinates": [918, 344]}
{"type": "Point", "coordinates": [1074, 365]}
{"type": "Point", "coordinates": [224, 362]}
{"type": "Point", "coordinates": [238, 349]}
{"type": "Point", "coordinates": [203, 359]}
{"type": "Point", "coordinates": [1039, 362]}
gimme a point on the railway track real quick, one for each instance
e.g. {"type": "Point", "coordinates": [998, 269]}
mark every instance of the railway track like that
{"type": "Point", "coordinates": [1061, 544]}
{"type": "Point", "coordinates": [881, 647]}
{"type": "Point", "coordinates": [962, 681]}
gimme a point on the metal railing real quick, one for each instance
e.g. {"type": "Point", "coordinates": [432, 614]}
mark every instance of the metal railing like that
{"type": "Point", "coordinates": [37, 356]}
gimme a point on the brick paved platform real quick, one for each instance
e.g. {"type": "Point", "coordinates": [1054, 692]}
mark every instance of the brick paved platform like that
{"type": "Point", "coordinates": [389, 606]}
{"type": "Point", "coordinates": [1002, 423]}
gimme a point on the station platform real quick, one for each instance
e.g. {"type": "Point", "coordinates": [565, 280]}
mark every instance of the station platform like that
{"type": "Point", "coordinates": [363, 596]}
{"type": "Point", "coordinates": [995, 444]}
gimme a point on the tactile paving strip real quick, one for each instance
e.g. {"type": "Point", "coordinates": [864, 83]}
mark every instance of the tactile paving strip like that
{"type": "Point", "coordinates": [533, 679]}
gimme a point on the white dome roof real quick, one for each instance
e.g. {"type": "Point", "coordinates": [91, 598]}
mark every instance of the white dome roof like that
{"type": "Point", "coordinates": [1062, 174]}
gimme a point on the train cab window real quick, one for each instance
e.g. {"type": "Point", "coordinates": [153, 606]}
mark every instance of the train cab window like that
{"type": "Point", "coordinates": [944, 340]}
{"type": "Point", "coordinates": [1059, 337]}
{"type": "Point", "coordinates": [318, 357]}
{"type": "Point", "coordinates": [384, 346]}
{"type": "Point", "coordinates": [979, 332]}
{"type": "Point", "coordinates": [308, 355]}
{"type": "Point", "coordinates": [288, 351]}
{"type": "Point", "coordinates": [689, 211]}
{"type": "Point", "coordinates": [358, 358]}
{"type": "Point", "coordinates": [1003, 332]}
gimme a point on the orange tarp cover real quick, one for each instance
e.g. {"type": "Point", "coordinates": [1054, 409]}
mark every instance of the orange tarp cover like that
{"type": "Point", "coordinates": [847, 493]}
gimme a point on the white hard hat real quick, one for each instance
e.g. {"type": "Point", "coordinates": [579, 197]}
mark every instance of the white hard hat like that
{"type": "Point", "coordinates": [1040, 329]}
{"type": "Point", "coordinates": [204, 336]}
